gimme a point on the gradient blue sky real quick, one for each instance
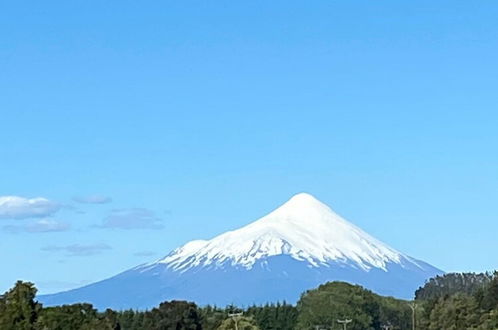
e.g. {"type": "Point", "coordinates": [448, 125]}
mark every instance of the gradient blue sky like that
{"type": "Point", "coordinates": [198, 117]}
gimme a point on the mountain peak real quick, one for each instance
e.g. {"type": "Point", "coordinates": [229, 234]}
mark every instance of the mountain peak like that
{"type": "Point", "coordinates": [303, 228]}
{"type": "Point", "coordinates": [303, 210]}
{"type": "Point", "coordinates": [303, 197]}
{"type": "Point", "coordinates": [302, 201]}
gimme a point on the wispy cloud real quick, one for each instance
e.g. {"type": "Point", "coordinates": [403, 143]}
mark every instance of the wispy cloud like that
{"type": "Point", "coordinates": [136, 218]}
{"type": "Point", "coordinates": [40, 226]}
{"type": "Point", "coordinates": [93, 199]}
{"type": "Point", "coordinates": [15, 207]}
{"type": "Point", "coordinates": [78, 250]}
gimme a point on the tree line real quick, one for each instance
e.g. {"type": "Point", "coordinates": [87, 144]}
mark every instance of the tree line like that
{"type": "Point", "coordinates": [459, 301]}
{"type": "Point", "coordinates": [452, 301]}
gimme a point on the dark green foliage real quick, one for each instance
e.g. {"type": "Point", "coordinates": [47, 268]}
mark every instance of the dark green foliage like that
{"type": "Point", "coordinates": [18, 309]}
{"type": "Point", "coordinates": [274, 316]}
{"type": "Point", "coordinates": [474, 305]}
{"type": "Point", "coordinates": [212, 317]}
{"type": "Point", "coordinates": [128, 319]}
{"type": "Point", "coordinates": [395, 313]}
{"type": "Point", "coordinates": [452, 283]}
{"type": "Point", "coordinates": [110, 320]}
{"type": "Point", "coordinates": [243, 323]}
{"type": "Point", "coordinates": [487, 297]}
{"type": "Point", "coordinates": [267, 317]}
{"type": "Point", "coordinates": [175, 315]}
{"type": "Point", "coordinates": [458, 311]}
{"type": "Point", "coordinates": [69, 317]}
{"type": "Point", "coordinates": [338, 300]}
{"type": "Point", "coordinates": [488, 321]}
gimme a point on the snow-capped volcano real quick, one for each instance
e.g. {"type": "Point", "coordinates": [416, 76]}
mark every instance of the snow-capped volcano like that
{"type": "Point", "coordinates": [303, 228]}
{"type": "Point", "coordinates": [298, 246]}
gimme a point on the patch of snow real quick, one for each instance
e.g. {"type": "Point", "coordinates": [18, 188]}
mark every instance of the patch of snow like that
{"type": "Point", "coordinates": [303, 228]}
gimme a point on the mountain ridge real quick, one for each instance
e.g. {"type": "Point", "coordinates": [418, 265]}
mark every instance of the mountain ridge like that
{"type": "Point", "coordinates": [296, 247]}
{"type": "Point", "coordinates": [303, 227]}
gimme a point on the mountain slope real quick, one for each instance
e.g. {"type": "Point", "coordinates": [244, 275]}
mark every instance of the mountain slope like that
{"type": "Point", "coordinates": [303, 228]}
{"type": "Point", "coordinates": [298, 246]}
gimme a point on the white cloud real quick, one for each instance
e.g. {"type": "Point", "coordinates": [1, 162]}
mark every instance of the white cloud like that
{"type": "Point", "coordinates": [15, 207]}
{"type": "Point", "coordinates": [132, 219]}
{"type": "Point", "coordinates": [40, 226]}
{"type": "Point", "coordinates": [78, 250]}
{"type": "Point", "coordinates": [47, 225]}
{"type": "Point", "coordinates": [93, 199]}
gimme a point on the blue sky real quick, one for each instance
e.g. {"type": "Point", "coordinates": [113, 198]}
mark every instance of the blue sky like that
{"type": "Point", "coordinates": [143, 125]}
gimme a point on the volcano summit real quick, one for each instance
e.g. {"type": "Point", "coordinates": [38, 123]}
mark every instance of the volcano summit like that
{"type": "Point", "coordinates": [296, 247]}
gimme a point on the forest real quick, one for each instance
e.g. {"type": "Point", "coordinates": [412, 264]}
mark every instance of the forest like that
{"type": "Point", "coordinates": [451, 301]}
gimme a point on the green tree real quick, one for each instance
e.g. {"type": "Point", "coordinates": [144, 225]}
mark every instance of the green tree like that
{"type": "Point", "coordinates": [70, 317]}
{"type": "Point", "coordinates": [175, 315]}
{"type": "Point", "coordinates": [452, 283]}
{"type": "Point", "coordinates": [18, 308]}
{"type": "Point", "coordinates": [274, 316]}
{"type": "Point", "coordinates": [488, 297]}
{"type": "Point", "coordinates": [110, 320]}
{"type": "Point", "coordinates": [489, 321]}
{"type": "Point", "coordinates": [395, 312]}
{"type": "Point", "coordinates": [212, 317]}
{"type": "Point", "coordinates": [243, 323]}
{"type": "Point", "coordinates": [127, 319]}
{"type": "Point", "coordinates": [338, 300]}
{"type": "Point", "coordinates": [456, 312]}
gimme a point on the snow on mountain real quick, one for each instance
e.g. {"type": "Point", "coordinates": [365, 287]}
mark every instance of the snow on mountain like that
{"type": "Point", "coordinates": [303, 228]}
{"type": "Point", "coordinates": [298, 246]}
